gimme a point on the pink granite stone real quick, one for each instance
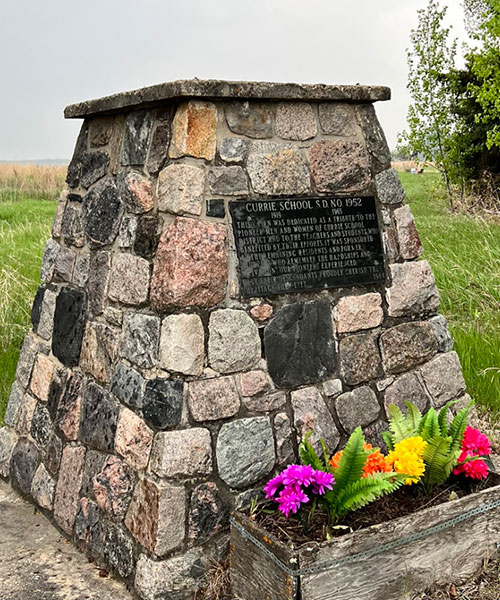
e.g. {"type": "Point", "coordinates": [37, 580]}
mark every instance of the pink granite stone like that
{"type": "Point", "coordinates": [410, 245]}
{"type": "Point", "coordinates": [113, 486]}
{"type": "Point", "coordinates": [212, 399]}
{"type": "Point", "coordinates": [354, 313]}
{"type": "Point", "coordinates": [68, 487]}
{"type": "Point", "coordinates": [191, 265]}
{"type": "Point", "coordinates": [340, 166]}
{"type": "Point", "coordinates": [41, 377]}
{"type": "Point", "coordinates": [133, 439]}
{"type": "Point", "coordinates": [262, 312]}
{"type": "Point", "coordinates": [254, 382]}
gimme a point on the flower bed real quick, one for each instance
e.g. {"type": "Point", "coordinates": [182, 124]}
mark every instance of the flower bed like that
{"type": "Point", "coordinates": [383, 561]}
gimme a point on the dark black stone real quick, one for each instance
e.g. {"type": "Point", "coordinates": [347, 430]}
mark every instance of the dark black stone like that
{"type": "Point", "coordinates": [118, 550]}
{"type": "Point", "coordinates": [56, 389]}
{"type": "Point", "coordinates": [158, 152]}
{"type": "Point", "coordinates": [303, 244]}
{"type": "Point", "coordinates": [88, 529]}
{"type": "Point", "coordinates": [146, 236]}
{"type": "Point", "coordinates": [94, 167]}
{"type": "Point", "coordinates": [74, 198]}
{"type": "Point", "coordinates": [138, 127]}
{"type": "Point", "coordinates": [69, 326]}
{"type": "Point", "coordinates": [100, 265]}
{"type": "Point", "coordinates": [36, 309]}
{"type": "Point", "coordinates": [299, 344]}
{"type": "Point", "coordinates": [69, 399]}
{"type": "Point", "coordinates": [208, 515]}
{"type": "Point", "coordinates": [94, 461]}
{"type": "Point", "coordinates": [128, 386]}
{"type": "Point", "coordinates": [74, 167]}
{"type": "Point", "coordinates": [99, 418]}
{"type": "Point", "coordinates": [162, 404]}
{"type": "Point", "coordinates": [72, 225]}
{"type": "Point", "coordinates": [101, 213]}
{"type": "Point", "coordinates": [52, 455]}
{"type": "Point", "coordinates": [41, 425]}
{"type": "Point", "coordinates": [216, 208]}
{"type": "Point", "coordinates": [23, 464]}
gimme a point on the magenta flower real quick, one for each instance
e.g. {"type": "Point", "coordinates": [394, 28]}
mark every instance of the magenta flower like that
{"type": "Point", "coordinates": [273, 485]}
{"type": "Point", "coordinates": [322, 482]}
{"type": "Point", "coordinates": [476, 441]}
{"type": "Point", "coordinates": [298, 475]}
{"type": "Point", "coordinates": [290, 500]}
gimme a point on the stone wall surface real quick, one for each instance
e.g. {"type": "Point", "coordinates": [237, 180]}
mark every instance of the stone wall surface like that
{"type": "Point", "coordinates": [150, 396]}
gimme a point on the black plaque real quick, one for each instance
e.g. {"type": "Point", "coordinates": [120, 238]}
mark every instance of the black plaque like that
{"type": "Point", "coordinates": [293, 245]}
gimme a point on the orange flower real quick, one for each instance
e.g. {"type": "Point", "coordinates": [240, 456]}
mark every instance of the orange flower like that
{"type": "Point", "coordinates": [375, 463]}
{"type": "Point", "coordinates": [335, 460]}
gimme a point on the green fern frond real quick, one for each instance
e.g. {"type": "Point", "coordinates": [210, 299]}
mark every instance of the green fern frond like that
{"type": "Point", "coordinates": [413, 418]}
{"type": "Point", "coordinates": [397, 423]}
{"type": "Point", "coordinates": [326, 454]}
{"type": "Point", "coordinates": [308, 455]}
{"type": "Point", "coordinates": [362, 492]}
{"type": "Point", "coordinates": [387, 437]}
{"type": "Point", "coordinates": [458, 425]}
{"type": "Point", "coordinates": [431, 426]}
{"type": "Point", "coordinates": [352, 461]}
{"type": "Point", "coordinates": [439, 462]}
{"type": "Point", "coordinates": [443, 417]}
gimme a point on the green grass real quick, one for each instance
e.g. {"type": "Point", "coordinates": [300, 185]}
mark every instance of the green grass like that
{"type": "Point", "coordinates": [464, 253]}
{"type": "Point", "coordinates": [24, 228]}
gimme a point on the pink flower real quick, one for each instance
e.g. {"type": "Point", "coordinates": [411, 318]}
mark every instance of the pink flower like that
{"type": "Point", "coordinates": [290, 500]}
{"type": "Point", "coordinates": [298, 475]}
{"type": "Point", "coordinates": [475, 440]}
{"type": "Point", "coordinates": [273, 485]}
{"type": "Point", "coordinates": [322, 482]}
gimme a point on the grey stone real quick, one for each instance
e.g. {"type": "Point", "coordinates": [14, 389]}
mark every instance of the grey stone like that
{"type": "Point", "coordinates": [413, 291]}
{"type": "Point", "coordinates": [245, 451]}
{"type": "Point", "coordinates": [160, 142]}
{"type": "Point", "coordinates": [250, 119]}
{"type": "Point", "coordinates": [69, 326]}
{"type": "Point", "coordinates": [389, 188]}
{"type": "Point", "coordinates": [360, 358]}
{"type": "Point", "coordinates": [36, 308]}
{"type": "Point", "coordinates": [100, 131]}
{"type": "Point", "coordinates": [357, 408]}
{"type": "Point", "coordinates": [23, 465]}
{"type": "Point", "coordinates": [228, 181]}
{"type": "Point", "coordinates": [208, 514]}
{"type": "Point", "coordinates": [81, 270]}
{"type": "Point", "coordinates": [129, 279]}
{"type": "Point", "coordinates": [27, 409]}
{"type": "Point", "coordinates": [340, 165]}
{"type": "Point", "coordinates": [140, 337]}
{"type": "Point", "coordinates": [406, 388]}
{"type": "Point", "coordinates": [295, 121]}
{"type": "Point", "coordinates": [278, 169]}
{"type": "Point", "coordinates": [88, 527]}
{"type": "Point", "coordinates": [72, 225]}
{"type": "Point", "coordinates": [374, 136]}
{"type": "Point", "coordinates": [336, 118]}
{"type": "Point", "coordinates": [443, 378]}
{"type": "Point", "coordinates": [99, 350]}
{"type": "Point", "coordinates": [299, 344]}
{"type": "Point", "coordinates": [441, 332]}
{"type": "Point", "coordinates": [29, 350]}
{"type": "Point", "coordinates": [114, 316]}
{"type": "Point", "coordinates": [64, 265]}
{"type": "Point", "coordinates": [8, 441]}
{"type": "Point", "coordinates": [102, 212]}
{"type": "Point", "coordinates": [99, 418]}
{"type": "Point", "coordinates": [284, 435]}
{"type": "Point", "coordinates": [46, 323]}
{"type": "Point", "coordinates": [138, 127]}
{"type": "Point", "coordinates": [176, 578]}
{"type": "Point", "coordinates": [52, 455]}
{"type": "Point", "coordinates": [182, 344]}
{"type": "Point", "coordinates": [234, 342]}
{"type": "Point", "coordinates": [94, 166]}
{"type": "Point", "coordinates": [311, 414]}
{"type": "Point", "coordinates": [186, 453]}
{"type": "Point", "coordinates": [332, 388]}
{"type": "Point", "coordinates": [14, 405]}
{"type": "Point", "coordinates": [41, 425]}
{"type": "Point", "coordinates": [212, 399]}
{"type": "Point", "coordinates": [74, 167]}
{"type": "Point", "coordinates": [118, 550]}
{"type": "Point", "coordinates": [233, 149]}
{"type": "Point", "coordinates": [163, 402]}
{"type": "Point", "coordinates": [127, 233]}
{"type": "Point", "coordinates": [43, 488]}
{"type": "Point", "coordinates": [49, 260]}
{"type": "Point", "coordinates": [128, 386]}
{"type": "Point", "coordinates": [94, 462]}
{"type": "Point", "coordinates": [180, 189]}
{"type": "Point", "coordinates": [100, 267]}
{"type": "Point", "coordinates": [407, 345]}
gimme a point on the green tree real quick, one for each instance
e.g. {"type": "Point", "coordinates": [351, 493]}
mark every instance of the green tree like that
{"type": "Point", "coordinates": [430, 119]}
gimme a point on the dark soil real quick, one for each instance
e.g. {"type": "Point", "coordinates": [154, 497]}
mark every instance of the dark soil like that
{"type": "Point", "coordinates": [405, 501]}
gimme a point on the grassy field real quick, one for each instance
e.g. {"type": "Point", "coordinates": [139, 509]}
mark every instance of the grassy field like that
{"type": "Point", "coordinates": [18, 182]}
{"type": "Point", "coordinates": [464, 253]}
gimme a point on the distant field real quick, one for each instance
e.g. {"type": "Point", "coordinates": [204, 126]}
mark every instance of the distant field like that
{"type": "Point", "coordinates": [30, 181]}
{"type": "Point", "coordinates": [464, 253]}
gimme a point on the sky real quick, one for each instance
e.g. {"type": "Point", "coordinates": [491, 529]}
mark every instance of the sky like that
{"type": "Point", "coordinates": [58, 52]}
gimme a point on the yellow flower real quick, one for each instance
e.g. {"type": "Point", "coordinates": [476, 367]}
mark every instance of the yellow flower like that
{"type": "Point", "coordinates": [407, 458]}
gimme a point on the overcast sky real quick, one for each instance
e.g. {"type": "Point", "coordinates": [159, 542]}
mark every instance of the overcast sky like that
{"type": "Point", "coordinates": [57, 52]}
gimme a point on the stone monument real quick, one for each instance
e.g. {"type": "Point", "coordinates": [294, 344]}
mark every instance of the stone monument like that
{"type": "Point", "coordinates": [231, 266]}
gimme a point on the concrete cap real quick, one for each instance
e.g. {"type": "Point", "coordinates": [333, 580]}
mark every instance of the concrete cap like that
{"type": "Point", "coordinates": [217, 89]}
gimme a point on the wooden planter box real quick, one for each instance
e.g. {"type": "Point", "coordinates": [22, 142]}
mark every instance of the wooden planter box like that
{"type": "Point", "coordinates": [435, 546]}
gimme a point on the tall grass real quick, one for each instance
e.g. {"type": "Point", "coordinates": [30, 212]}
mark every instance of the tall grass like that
{"type": "Point", "coordinates": [464, 253]}
{"type": "Point", "coordinates": [30, 181]}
